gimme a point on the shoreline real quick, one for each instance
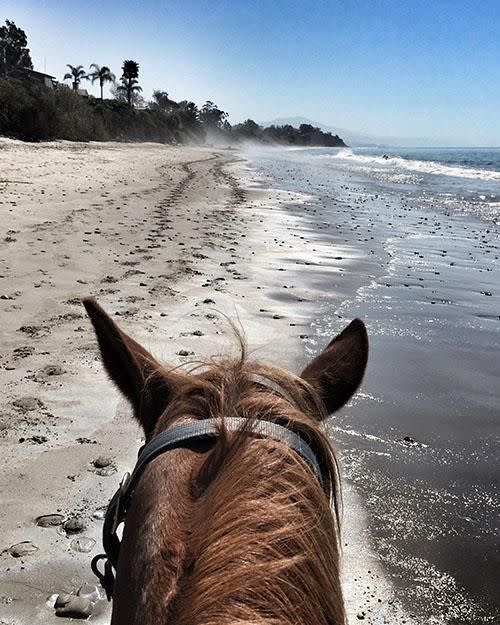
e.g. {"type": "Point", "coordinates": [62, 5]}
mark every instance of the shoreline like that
{"type": "Point", "coordinates": [430, 378]}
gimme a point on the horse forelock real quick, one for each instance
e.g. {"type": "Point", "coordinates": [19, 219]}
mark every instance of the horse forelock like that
{"type": "Point", "coordinates": [262, 544]}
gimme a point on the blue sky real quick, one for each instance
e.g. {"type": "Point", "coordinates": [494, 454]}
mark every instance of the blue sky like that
{"type": "Point", "coordinates": [420, 68]}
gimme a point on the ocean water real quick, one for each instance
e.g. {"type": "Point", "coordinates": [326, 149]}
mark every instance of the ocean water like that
{"type": "Point", "coordinates": [466, 179]}
{"type": "Point", "coordinates": [409, 241]}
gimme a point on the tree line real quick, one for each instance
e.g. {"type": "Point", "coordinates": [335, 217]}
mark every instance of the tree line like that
{"type": "Point", "coordinates": [31, 111]}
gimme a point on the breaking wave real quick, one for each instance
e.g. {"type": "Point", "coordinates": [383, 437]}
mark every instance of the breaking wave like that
{"type": "Point", "coordinates": [387, 162]}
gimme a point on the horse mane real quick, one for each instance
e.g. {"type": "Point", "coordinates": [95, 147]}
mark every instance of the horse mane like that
{"type": "Point", "coordinates": [263, 543]}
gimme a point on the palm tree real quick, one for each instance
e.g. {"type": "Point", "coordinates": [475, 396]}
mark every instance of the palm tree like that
{"type": "Point", "coordinates": [102, 74]}
{"type": "Point", "coordinates": [77, 74]}
{"type": "Point", "coordinates": [130, 84]}
{"type": "Point", "coordinates": [163, 102]}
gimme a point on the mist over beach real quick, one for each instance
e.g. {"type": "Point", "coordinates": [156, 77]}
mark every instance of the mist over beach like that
{"type": "Point", "coordinates": [136, 167]}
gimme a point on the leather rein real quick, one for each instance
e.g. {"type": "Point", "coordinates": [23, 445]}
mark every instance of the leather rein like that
{"type": "Point", "coordinates": [185, 435]}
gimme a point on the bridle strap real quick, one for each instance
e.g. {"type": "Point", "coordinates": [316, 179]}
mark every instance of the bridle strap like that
{"type": "Point", "coordinates": [187, 434]}
{"type": "Point", "coordinates": [270, 385]}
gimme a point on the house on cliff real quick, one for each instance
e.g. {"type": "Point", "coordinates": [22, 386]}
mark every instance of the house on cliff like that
{"type": "Point", "coordinates": [46, 80]}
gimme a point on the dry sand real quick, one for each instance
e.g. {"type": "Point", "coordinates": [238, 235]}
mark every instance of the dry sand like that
{"type": "Point", "coordinates": [165, 238]}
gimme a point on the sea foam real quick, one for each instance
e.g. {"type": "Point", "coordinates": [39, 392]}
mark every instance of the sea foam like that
{"type": "Point", "coordinates": [391, 163]}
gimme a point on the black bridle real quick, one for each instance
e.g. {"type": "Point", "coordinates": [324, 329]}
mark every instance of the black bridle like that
{"type": "Point", "coordinates": [185, 435]}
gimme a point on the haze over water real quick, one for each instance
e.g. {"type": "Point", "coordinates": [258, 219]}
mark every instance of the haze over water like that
{"type": "Point", "coordinates": [408, 240]}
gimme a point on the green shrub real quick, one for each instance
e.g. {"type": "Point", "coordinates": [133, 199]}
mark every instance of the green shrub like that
{"type": "Point", "coordinates": [31, 112]}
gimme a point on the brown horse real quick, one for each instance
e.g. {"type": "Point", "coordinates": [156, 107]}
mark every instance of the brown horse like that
{"type": "Point", "coordinates": [238, 531]}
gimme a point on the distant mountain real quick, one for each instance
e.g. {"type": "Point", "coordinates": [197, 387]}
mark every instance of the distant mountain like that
{"type": "Point", "coordinates": [351, 137]}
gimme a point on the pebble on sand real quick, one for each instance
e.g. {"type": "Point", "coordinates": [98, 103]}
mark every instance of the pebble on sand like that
{"type": "Point", "coordinates": [49, 520]}
{"type": "Point", "coordinates": [106, 471]}
{"type": "Point", "coordinates": [101, 462]}
{"type": "Point", "coordinates": [83, 544]}
{"type": "Point", "coordinates": [89, 591]}
{"type": "Point", "coordinates": [53, 370]}
{"type": "Point", "coordinates": [75, 525]}
{"type": "Point", "coordinates": [72, 606]}
{"type": "Point", "coordinates": [104, 466]}
{"type": "Point", "coordinates": [27, 404]}
{"type": "Point", "coordinates": [25, 548]}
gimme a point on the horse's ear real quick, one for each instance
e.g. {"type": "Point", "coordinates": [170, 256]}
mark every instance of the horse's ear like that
{"type": "Point", "coordinates": [132, 368]}
{"type": "Point", "coordinates": [337, 372]}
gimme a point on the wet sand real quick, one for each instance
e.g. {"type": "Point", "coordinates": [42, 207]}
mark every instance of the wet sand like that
{"type": "Point", "coordinates": [420, 442]}
{"type": "Point", "coordinates": [166, 238]}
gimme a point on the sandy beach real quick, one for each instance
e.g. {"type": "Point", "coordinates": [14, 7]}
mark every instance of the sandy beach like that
{"type": "Point", "coordinates": [242, 182]}
{"type": "Point", "coordinates": [166, 238]}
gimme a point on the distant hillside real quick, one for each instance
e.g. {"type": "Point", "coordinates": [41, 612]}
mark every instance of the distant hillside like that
{"type": "Point", "coordinates": [359, 139]}
{"type": "Point", "coordinates": [304, 135]}
{"type": "Point", "coordinates": [350, 137]}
